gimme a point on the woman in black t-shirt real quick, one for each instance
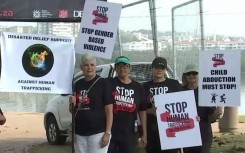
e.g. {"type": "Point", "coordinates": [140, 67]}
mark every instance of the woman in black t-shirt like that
{"type": "Point", "coordinates": [93, 110]}
{"type": "Point", "coordinates": [191, 74]}
{"type": "Point", "coordinates": [128, 101]}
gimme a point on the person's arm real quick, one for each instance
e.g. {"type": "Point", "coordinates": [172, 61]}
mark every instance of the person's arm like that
{"type": "Point", "coordinates": [214, 114]}
{"type": "Point", "coordinates": [108, 102]}
{"type": "Point", "coordinates": [142, 115]}
{"type": "Point", "coordinates": [72, 98]}
{"type": "Point", "coordinates": [72, 101]}
{"type": "Point", "coordinates": [151, 109]}
{"type": "Point", "coordinates": [109, 118]}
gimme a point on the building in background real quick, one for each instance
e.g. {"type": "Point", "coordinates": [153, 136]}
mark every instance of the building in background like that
{"type": "Point", "coordinates": [18, 29]}
{"type": "Point", "coordinates": [59, 29]}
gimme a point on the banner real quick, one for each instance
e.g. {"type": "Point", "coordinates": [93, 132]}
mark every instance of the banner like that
{"type": "Point", "coordinates": [42, 10]}
{"type": "Point", "coordinates": [98, 28]}
{"type": "Point", "coordinates": [176, 118]}
{"type": "Point", "coordinates": [35, 63]}
{"type": "Point", "coordinates": [219, 78]}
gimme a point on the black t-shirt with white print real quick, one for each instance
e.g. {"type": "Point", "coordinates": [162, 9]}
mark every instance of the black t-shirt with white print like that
{"type": "Point", "coordinates": [128, 100]}
{"type": "Point", "coordinates": [90, 117]}
{"type": "Point", "coordinates": [156, 88]}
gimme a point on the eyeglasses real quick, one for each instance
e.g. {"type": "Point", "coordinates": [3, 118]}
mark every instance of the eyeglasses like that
{"type": "Point", "coordinates": [191, 73]}
{"type": "Point", "coordinates": [122, 66]}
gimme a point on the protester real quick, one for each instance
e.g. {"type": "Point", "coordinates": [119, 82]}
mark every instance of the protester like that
{"type": "Point", "coordinates": [93, 110]}
{"type": "Point", "coordinates": [128, 101]}
{"type": "Point", "coordinates": [183, 79]}
{"type": "Point", "coordinates": [204, 113]}
{"type": "Point", "coordinates": [2, 118]}
{"type": "Point", "coordinates": [159, 85]}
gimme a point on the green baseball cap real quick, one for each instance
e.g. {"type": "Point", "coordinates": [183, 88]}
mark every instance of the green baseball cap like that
{"type": "Point", "coordinates": [122, 59]}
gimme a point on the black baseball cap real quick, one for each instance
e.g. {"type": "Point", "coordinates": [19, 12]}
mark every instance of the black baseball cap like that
{"type": "Point", "coordinates": [159, 62]}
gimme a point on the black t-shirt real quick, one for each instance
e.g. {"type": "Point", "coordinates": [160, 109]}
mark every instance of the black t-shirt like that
{"type": "Point", "coordinates": [128, 100]}
{"type": "Point", "coordinates": [156, 88]}
{"type": "Point", "coordinates": [90, 118]}
{"type": "Point", "coordinates": [202, 112]}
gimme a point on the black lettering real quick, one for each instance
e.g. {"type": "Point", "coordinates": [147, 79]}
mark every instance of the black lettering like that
{"type": "Point", "coordinates": [96, 40]}
{"type": "Point", "coordinates": [218, 72]}
{"type": "Point", "coordinates": [172, 104]}
{"type": "Point", "coordinates": [166, 107]}
{"type": "Point", "coordinates": [209, 86]}
{"type": "Point", "coordinates": [184, 105]}
{"type": "Point", "coordinates": [227, 86]}
{"type": "Point", "coordinates": [94, 48]}
{"type": "Point", "coordinates": [87, 30]}
{"type": "Point", "coordinates": [103, 33]}
{"type": "Point", "coordinates": [219, 79]}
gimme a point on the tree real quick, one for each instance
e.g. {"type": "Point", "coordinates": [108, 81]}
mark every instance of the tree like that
{"type": "Point", "coordinates": [127, 37]}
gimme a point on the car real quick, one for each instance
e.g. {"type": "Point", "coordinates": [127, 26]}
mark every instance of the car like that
{"type": "Point", "coordinates": [58, 119]}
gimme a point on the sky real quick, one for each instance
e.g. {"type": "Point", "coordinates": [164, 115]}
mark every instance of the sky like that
{"type": "Point", "coordinates": [220, 16]}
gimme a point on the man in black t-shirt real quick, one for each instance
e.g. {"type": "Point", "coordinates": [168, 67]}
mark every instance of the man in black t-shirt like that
{"type": "Point", "coordinates": [94, 110]}
{"type": "Point", "coordinates": [159, 85]}
{"type": "Point", "coordinates": [128, 101]}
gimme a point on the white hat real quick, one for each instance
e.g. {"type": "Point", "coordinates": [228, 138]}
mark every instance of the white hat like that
{"type": "Point", "coordinates": [191, 68]}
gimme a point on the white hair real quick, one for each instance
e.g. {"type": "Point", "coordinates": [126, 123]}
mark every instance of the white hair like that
{"type": "Point", "coordinates": [87, 57]}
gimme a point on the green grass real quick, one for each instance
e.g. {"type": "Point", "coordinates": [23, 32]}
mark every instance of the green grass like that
{"type": "Point", "coordinates": [241, 119]}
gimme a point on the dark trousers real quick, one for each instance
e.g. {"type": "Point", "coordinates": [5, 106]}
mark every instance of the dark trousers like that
{"type": "Point", "coordinates": [154, 146]}
{"type": "Point", "coordinates": [199, 149]}
{"type": "Point", "coordinates": [124, 144]}
{"type": "Point", "coordinates": [207, 136]}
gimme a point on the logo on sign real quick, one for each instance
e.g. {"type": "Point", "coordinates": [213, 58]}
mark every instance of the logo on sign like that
{"type": "Point", "coordinates": [37, 60]}
{"type": "Point", "coordinates": [41, 14]}
{"type": "Point", "coordinates": [63, 13]}
{"type": "Point", "coordinates": [100, 15]}
{"type": "Point", "coordinates": [218, 60]}
{"type": "Point", "coordinates": [36, 14]}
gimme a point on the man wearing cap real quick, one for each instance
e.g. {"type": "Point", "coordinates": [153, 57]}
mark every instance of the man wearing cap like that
{"type": "Point", "coordinates": [159, 85]}
{"type": "Point", "coordinates": [128, 101]}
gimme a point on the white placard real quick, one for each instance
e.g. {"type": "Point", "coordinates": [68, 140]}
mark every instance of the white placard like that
{"type": "Point", "coordinates": [219, 78]}
{"type": "Point", "coordinates": [176, 118]}
{"type": "Point", "coordinates": [36, 63]}
{"type": "Point", "coordinates": [98, 28]}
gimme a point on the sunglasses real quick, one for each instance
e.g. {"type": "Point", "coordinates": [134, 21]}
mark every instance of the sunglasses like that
{"type": "Point", "coordinates": [192, 73]}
